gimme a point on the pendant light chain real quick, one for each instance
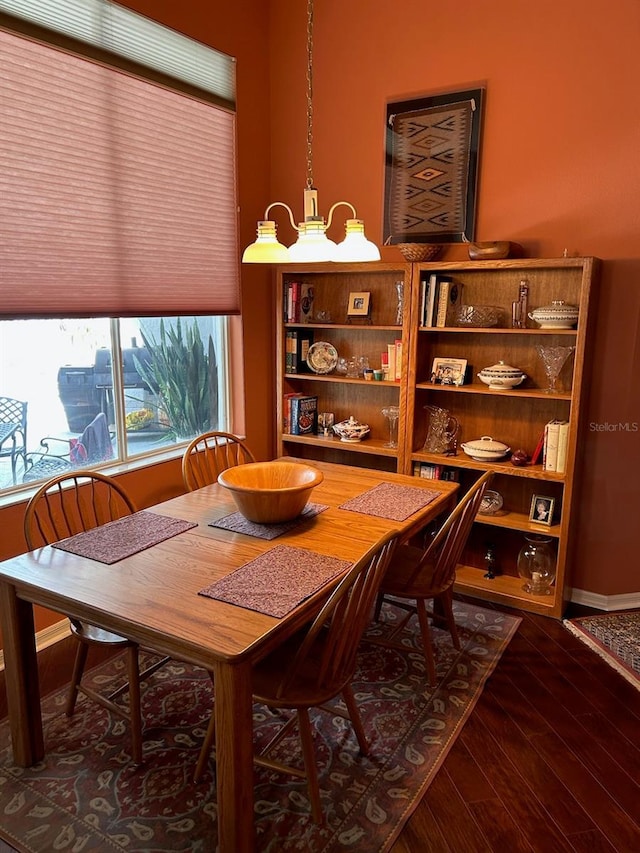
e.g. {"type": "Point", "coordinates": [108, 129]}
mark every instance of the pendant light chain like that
{"type": "Point", "coordinates": [312, 244]}
{"type": "Point", "coordinates": [310, 94]}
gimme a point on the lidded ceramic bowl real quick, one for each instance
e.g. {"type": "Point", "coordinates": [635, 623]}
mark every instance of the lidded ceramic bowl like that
{"type": "Point", "coordinates": [351, 430]}
{"type": "Point", "coordinates": [485, 449]}
{"type": "Point", "coordinates": [501, 376]}
{"type": "Point", "coordinates": [558, 315]}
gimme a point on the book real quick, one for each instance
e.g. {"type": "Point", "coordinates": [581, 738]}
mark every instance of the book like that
{"type": "Point", "coordinates": [423, 300]}
{"type": "Point", "coordinates": [286, 410]}
{"type": "Point", "coordinates": [391, 361]}
{"type": "Point", "coordinates": [304, 414]}
{"type": "Point", "coordinates": [305, 303]}
{"type": "Point", "coordinates": [550, 454]}
{"type": "Point", "coordinates": [398, 347]}
{"type": "Point", "coordinates": [563, 440]}
{"type": "Point", "coordinates": [537, 453]}
{"type": "Point", "coordinates": [299, 340]}
{"type": "Point", "coordinates": [431, 292]}
{"type": "Point", "coordinates": [449, 298]}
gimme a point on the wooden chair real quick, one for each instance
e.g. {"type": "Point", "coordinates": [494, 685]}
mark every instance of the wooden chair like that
{"type": "Point", "coordinates": [423, 574]}
{"type": "Point", "coordinates": [316, 665]}
{"type": "Point", "coordinates": [66, 505]}
{"type": "Point", "coordinates": [209, 454]}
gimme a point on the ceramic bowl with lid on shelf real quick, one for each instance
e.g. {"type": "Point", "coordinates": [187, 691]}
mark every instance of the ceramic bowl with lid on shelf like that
{"type": "Point", "coordinates": [485, 449]}
{"type": "Point", "coordinates": [501, 376]}
{"type": "Point", "coordinates": [351, 430]}
{"type": "Point", "coordinates": [558, 315]}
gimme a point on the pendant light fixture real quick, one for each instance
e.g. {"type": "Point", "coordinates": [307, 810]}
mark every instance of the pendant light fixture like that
{"type": "Point", "coordinates": [312, 245]}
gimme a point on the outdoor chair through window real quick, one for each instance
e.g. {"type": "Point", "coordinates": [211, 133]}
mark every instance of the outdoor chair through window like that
{"type": "Point", "coordinates": [13, 432]}
{"type": "Point", "coordinates": [62, 507]}
{"type": "Point", "coordinates": [90, 448]}
{"type": "Point", "coordinates": [417, 575]}
{"type": "Point", "coordinates": [316, 665]}
{"type": "Point", "coordinates": [211, 453]}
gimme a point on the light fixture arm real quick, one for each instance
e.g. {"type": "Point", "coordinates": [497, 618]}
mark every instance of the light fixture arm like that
{"type": "Point", "coordinates": [287, 208]}
{"type": "Point", "coordinates": [337, 204]}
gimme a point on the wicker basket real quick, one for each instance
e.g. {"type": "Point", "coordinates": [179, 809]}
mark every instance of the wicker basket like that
{"type": "Point", "coordinates": [415, 252]}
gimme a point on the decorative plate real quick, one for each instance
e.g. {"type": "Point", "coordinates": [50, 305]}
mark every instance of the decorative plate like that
{"type": "Point", "coordinates": [322, 357]}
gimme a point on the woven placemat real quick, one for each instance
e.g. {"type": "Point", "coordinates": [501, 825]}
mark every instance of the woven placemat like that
{"type": "Point", "coordinates": [388, 500]}
{"type": "Point", "coordinates": [237, 523]}
{"type": "Point", "coordinates": [276, 581]}
{"type": "Point", "coordinates": [119, 539]}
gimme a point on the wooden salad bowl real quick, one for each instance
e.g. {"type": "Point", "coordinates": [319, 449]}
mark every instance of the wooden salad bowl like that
{"type": "Point", "coordinates": [271, 492]}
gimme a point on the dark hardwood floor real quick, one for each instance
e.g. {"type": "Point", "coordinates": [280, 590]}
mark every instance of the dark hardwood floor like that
{"type": "Point", "coordinates": [549, 760]}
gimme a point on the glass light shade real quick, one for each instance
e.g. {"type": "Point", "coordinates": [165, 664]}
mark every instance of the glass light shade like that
{"type": "Point", "coordinates": [312, 245]}
{"type": "Point", "coordinates": [355, 246]}
{"type": "Point", "coordinates": [266, 249]}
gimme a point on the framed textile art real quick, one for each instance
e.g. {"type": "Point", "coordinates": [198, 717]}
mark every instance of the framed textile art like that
{"type": "Point", "coordinates": [432, 152]}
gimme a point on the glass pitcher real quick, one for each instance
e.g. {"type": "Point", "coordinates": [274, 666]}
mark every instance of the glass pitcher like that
{"type": "Point", "coordinates": [442, 431]}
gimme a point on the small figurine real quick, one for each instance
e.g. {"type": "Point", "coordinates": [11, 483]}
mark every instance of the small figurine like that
{"type": "Point", "coordinates": [490, 562]}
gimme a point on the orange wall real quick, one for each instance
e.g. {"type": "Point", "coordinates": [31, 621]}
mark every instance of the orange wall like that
{"type": "Point", "coordinates": [559, 169]}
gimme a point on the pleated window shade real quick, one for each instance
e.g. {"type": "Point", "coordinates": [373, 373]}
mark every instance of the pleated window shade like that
{"type": "Point", "coordinates": [117, 194]}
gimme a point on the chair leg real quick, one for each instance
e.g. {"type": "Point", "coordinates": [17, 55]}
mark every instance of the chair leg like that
{"type": "Point", "coordinates": [308, 752]}
{"type": "Point", "coordinates": [426, 640]}
{"type": "Point", "coordinates": [447, 606]}
{"type": "Point", "coordinates": [205, 750]}
{"type": "Point", "coordinates": [356, 719]}
{"type": "Point", "coordinates": [135, 711]}
{"type": "Point", "coordinates": [76, 677]}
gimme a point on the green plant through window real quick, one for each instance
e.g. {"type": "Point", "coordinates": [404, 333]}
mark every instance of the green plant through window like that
{"type": "Point", "coordinates": [184, 374]}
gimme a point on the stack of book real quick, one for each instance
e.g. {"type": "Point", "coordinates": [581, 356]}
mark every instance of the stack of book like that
{"type": "Point", "coordinates": [298, 302]}
{"type": "Point", "coordinates": [554, 446]}
{"type": "Point", "coordinates": [391, 361]}
{"type": "Point", "coordinates": [440, 296]}
{"type": "Point", "coordinates": [297, 343]}
{"type": "Point", "coordinates": [435, 472]}
{"type": "Point", "coordinates": [300, 414]}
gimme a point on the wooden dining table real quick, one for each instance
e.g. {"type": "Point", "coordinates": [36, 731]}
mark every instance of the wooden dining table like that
{"type": "Point", "coordinates": [152, 598]}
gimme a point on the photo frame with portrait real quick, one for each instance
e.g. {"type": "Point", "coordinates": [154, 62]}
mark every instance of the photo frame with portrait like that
{"type": "Point", "coordinates": [448, 371]}
{"type": "Point", "coordinates": [359, 304]}
{"type": "Point", "coordinates": [542, 508]}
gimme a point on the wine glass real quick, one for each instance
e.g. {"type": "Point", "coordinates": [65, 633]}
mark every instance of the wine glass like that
{"type": "Point", "coordinates": [392, 413]}
{"type": "Point", "coordinates": [553, 360]}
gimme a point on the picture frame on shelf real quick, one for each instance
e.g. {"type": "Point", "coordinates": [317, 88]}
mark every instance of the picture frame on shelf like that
{"type": "Point", "coordinates": [448, 371]}
{"type": "Point", "coordinates": [541, 511]}
{"type": "Point", "coordinates": [359, 306]}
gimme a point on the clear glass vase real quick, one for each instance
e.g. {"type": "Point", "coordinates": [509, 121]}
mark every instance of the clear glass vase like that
{"type": "Point", "coordinates": [537, 565]}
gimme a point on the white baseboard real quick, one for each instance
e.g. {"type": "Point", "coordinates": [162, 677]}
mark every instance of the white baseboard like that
{"type": "Point", "coordinates": [626, 601]}
{"type": "Point", "coordinates": [47, 637]}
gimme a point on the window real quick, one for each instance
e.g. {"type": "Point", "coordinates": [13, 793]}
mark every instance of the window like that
{"type": "Point", "coordinates": [171, 387]}
{"type": "Point", "coordinates": [117, 199]}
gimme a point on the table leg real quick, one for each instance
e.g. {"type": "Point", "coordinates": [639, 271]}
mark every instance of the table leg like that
{"type": "Point", "coordinates": [21, 677]}
{"type": "Point", "coordinates": [234, 757]}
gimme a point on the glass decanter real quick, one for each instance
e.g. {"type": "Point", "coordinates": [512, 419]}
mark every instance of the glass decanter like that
{"type": "Point", "coordinates": [553, 360]}
{"type": "Point", "coordinates": [392, 413]}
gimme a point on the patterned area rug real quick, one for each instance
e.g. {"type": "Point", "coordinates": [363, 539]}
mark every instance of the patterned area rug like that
{"type": "Point", "coordinates": [86, 795]}
{"type": "Point", "coordinates": [615, 637]}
